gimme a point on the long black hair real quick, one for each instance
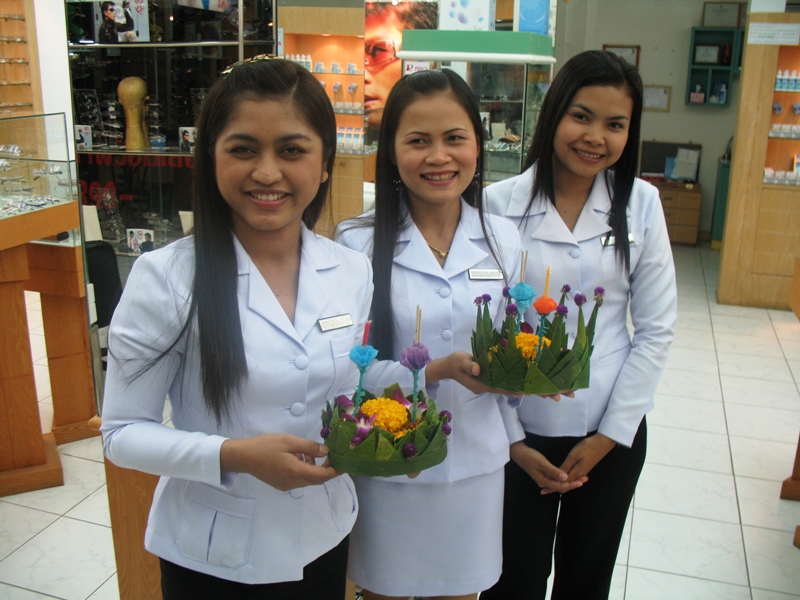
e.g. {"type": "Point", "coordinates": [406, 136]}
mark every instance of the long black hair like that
{"type": "Point", "coordinates": [390, 193]}
{"type": "Point", "coordinates": [590, 68]}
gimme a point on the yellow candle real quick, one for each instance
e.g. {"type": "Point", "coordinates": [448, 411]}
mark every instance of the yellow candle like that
{"type": "Point", "coordinates": [547, 282]}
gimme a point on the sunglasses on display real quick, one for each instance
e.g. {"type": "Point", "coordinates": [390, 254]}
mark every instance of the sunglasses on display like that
{"type": "Point", "coordinates": [379, 53]}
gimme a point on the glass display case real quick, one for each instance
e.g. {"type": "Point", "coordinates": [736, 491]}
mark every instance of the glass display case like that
{"type": "Point", "coordinates": [178, 48]}
{"type": "Point", "coordinates": [509, 76]}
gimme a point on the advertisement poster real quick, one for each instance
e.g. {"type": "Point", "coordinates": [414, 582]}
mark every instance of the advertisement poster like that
{"type": "Point", "coordinates": [121, 21]}
{"type": "Point", "coordinates": [466, 15]}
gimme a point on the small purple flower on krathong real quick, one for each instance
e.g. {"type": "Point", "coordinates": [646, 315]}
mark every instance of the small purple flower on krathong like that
{"type": "Point", "coordinates": [446, 430]}
{"type": "Point", "coordinates": [415, 356]}
{"type": "Point", "coordinates": [503, 342]}
{"type": "Point", "coordinates": [505, 292]}
{"type": "Point", "coordinates": [486, 298]}
{"type": "Point", "coordinates": [566, 289]}
{"type": "Point", "coordinates": [410, 451]}
{"type": "Point", "coordinates": [357, 439]}
{"type": "Point", "coordinates": [580, 300]}
{"type": "Point", "coordinates": [397, 396]}
{"type": "Point", "coordinates": [599, 292]}
{"type": "Point", "coordinates": [526, 327]}
{"type": "Point", "coordinates": [512, 311]}
{"type": "Point", "coordinates": [325, 432]}
{"type": "Point", "coordinates": [478, 301]}
{"type": "Point", "coordinates": [344, 403]}
{"type": "Point", "coordinates": [445, 415]}
{"type": "Point", "coordinates": [365, 425]}
{"type": "Point", "coordinates": [562, 311]}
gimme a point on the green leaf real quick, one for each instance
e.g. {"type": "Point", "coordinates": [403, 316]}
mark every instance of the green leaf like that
{"type": "Point", "coordinates": [384, 450]}
{"type": "Point", "coordinates": [436, 441]}
{"type": "Point", "coordinates": [547, 360]}
{"type": "Point", "coordinates": [420, 441]}
{"type": "Point", "coordinates": [580, 335]}
{"type": "Point", "coordinates": [537, 383]}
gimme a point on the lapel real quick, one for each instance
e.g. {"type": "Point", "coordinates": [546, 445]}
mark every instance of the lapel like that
{"type": "Point", "coordinates": [312, 296]}
{"type": "Point", "coordinates": [413, 252]}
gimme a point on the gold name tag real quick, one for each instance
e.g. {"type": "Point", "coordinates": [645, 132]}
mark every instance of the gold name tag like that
{"type": "Point", "coordinates": [337, 322]}
{"type": "Point", "coordinates": [477, 274]}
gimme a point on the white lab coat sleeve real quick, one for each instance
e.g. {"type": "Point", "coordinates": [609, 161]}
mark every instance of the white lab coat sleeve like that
{"type": "Point", "coordinates": [508, 410]}
{"type": "Point", "coordinates": [653, 307]}
{"type": "Point", "coordinates": [148, 318]}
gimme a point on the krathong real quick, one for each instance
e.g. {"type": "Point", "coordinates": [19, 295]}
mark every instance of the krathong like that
{"type": "Point", "coordinates": [533, 358]}
{"type": "Point", "coordinates": [386, 435]}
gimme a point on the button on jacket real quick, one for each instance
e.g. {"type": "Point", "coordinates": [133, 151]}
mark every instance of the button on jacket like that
{"type": "Point", "coordinates": [231, 525]}
{"type": "Point", "coordinates": [624, 371]}
{"type": "Point", "coordinates": [479, 442]}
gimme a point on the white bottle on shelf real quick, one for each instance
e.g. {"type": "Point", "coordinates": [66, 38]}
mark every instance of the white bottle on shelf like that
{"type": "Point", "coordinates": [778, 81]}
{"type": "Point", "coordinates": [793, 81]}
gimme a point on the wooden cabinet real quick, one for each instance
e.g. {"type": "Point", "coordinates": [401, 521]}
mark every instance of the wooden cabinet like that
{"type": "Point", "coordinates": [714, 60]}
{"type": "Point", "coordinates": [762, 224]}
{"type": "Point", "coordinates": [681, 204]}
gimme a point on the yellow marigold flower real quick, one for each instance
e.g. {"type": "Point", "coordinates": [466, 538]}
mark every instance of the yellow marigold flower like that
{"type": "Point", "coordinates": [528, 343]}
{"type": "Point", "coordinates": [392, 416]}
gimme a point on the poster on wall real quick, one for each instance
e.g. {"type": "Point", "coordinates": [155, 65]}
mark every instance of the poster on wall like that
{"type": "Point", "coordinates": [121, 21]}
{"type": "Point", "coordinates": [466, 15]}
{"type": "Point", "coordinates": [383, 37]}
{"type": "Point", "coordinates": [215, 5]}
{"type": "Point", "coordinates": [537, 16]}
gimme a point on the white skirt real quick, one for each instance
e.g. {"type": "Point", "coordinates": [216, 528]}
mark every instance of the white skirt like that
{"type": "Point", "coordinates": [428, 539]}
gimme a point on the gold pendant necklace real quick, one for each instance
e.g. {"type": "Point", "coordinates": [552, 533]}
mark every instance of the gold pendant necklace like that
{"type": "Point", "coordinates": [441, 253]}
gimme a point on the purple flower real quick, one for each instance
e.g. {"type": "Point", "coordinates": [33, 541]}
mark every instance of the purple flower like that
{"type": "Point", "coordinates": [526, 328]}
{"type": "Point", "coordinates": [325, 432]}
{"type": "Point", "coordinates": [357, 439]}
{"type": "Point", "coordinates": [486, 298]}
{"type": "Point", "coordinates": [566, 289]}
{"type": "Point", "coordinates": [512, 311]}
{"type": "Point", "coordinates": [580, 300]}
{"type": "Point", "coordinates": [365, 425]}
{"type": "Point", "coordinates": [345, 404]}
{"type": "Point", "coordinates": [363, 356]}
{"type": "Point", "coordinates": [415, 357]}
{"type": "Point", "coordinates": [505, 291]}
{"type": "Point", "coordinates": [478, 301]}
{"type": "Point", "coordinates": [410, 451]}
{"type": "Point", "coordinates": [446, 430]}
{"type": "Point", "coordinates": [561, 310]}
{"type": "Point", "coordinates": [599, 292]}
{"type": "Point", "coordinates": [445, 415]}
{"type": "Point", "coordinates": [397, 396]}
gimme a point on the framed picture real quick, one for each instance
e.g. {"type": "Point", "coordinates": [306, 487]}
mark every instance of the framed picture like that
{"type": "Point", "coordinates": [657, 97]}
{"type": "Point", "coordinates": [628, 53]}
{"type": "Point", "coordinates": [708, 55]}
{"type": "Point", "coordinates": [722, 14]}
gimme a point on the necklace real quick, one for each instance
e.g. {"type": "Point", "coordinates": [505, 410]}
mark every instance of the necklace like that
{"type": "Point", "coordinates": [441, 253]}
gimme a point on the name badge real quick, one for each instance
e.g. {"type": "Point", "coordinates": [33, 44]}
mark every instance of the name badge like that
{"type": "Point", "coordinates": [483, 274]}
{"type": "Point", "coordinates": [337, 322]}
{"type": "Point", "coordinates": [612, 241]}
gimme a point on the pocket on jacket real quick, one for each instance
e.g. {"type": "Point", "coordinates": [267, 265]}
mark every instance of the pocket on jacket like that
{"type": "Point", "coordinates": [345, 373]}
{"type": "Point", "coordinates": [342, 502]}
{"type": "Point", "coordinates": [214, 527]}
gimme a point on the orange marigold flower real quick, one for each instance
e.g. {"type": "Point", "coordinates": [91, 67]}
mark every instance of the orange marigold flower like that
{"type": "Point", "coordinates": [545, 305]}
{"type": "Point", "coordinates": [528, 343]}
{"type": "Point", "coordinates": [391, 415]}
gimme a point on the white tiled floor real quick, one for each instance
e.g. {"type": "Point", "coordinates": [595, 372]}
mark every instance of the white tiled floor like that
{"type": "Point", "coordinates": [706, 523]}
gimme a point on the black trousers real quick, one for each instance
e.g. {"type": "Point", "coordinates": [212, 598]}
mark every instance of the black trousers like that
{"type": "Point", "coordinates": [585, 525]}
{"type": "Point", "coordinates": [323, 579]}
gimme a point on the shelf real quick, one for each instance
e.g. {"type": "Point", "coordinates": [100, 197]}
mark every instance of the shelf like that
{"type": "Point", "coordinates": [723, 45]}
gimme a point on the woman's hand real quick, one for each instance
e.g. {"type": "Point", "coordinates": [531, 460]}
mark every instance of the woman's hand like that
{"type": "Point", "coordinates": [585, 455]}
{"type": "Point", "coordinates": [549, 477]}
{"type": "Point", "coordinates": [460, 367]}
{"type": "Point", "coordinates": [557, 397]}
{"type": "Point", "coordinates": [283, 461]}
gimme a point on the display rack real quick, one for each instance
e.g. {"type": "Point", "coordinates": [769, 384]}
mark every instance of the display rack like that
{"type": "Point", "coordinates": [715, 57]}
{"type": "Point", "coordinates": [20, 89]}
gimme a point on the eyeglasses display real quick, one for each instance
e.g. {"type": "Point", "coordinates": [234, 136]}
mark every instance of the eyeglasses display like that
{"type": "Point", "coordinates": [379, 53]}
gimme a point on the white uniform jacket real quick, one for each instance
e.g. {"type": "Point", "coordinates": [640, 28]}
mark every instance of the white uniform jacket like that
{"type": "Point", "coordinates": [232, 525]}
{"type": "Point", "coordinates": [479, 442]}
{"type": "Point", "coordinates": [624, 371]}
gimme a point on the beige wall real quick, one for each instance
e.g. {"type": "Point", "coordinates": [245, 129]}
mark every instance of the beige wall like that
{"type": "Point", "coordinates": [663, 30]}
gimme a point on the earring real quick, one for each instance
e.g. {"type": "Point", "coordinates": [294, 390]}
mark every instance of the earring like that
{"type": "Point", "coordinates": [398, 185]}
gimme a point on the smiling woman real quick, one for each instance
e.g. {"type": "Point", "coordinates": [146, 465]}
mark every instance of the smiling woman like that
{"type": "Point", "coordinates": [225, 321]}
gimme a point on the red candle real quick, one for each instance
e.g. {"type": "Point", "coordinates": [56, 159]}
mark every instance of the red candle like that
{"type": "Point", "coordinates": [366, 333]}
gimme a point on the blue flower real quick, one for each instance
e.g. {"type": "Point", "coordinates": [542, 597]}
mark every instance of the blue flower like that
{"type": "Point", "coordinates": [415, 357]}
{"type": "Point", "coordinates": [363, 356]}
{"type": "Point", "coordinates": [523, 294]}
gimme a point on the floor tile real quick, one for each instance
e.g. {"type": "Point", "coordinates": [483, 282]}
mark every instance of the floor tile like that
{"type": "Point", "coordinates": [769, 595]}
{"type": "Point", "coordinates": [18, 524]}
{"type": "Point", "coordinates": [691, 338]}
{"type": "Point", "coordinates": [41, 377]}
{"type": "Point", "coordinates": [760, 392]}
{"type": "Point", "coordinates": [687, 492]}
{"type": "Point", "coordinates": [790, 348]}
{"type": "Point", "coordinates": [94, 509]}
{"type": "Point", "coordinates": [89, 448]}
{"type": "Point", "coordinates": [108, 591]}
{"type": "Point", "coordinates": [38, 347]}
{"type": "Point", "coordinates": [623, 552]}
{"type": "Point", "coordinates": [787, 330]}
{"type": "Point", "coordinates": [696, 321]}
{"type": "Point", "coordinates": [688, 546]}
{"type": "Point", "coordinates": [8, 592]}
{"type": "Point", "coordinates": [688, 384]}
{"type": "Point", "coordinates": [618, 583]}
{"type": "Point", "coordinates": [81, 479]}
{"type": "Point", "coordinates": [763, 423]}
{"type": "Point", "coordinates": [761, 506]}
{"type": "Point", "coordinates": [755, 367]}
{"type": "Point", "coordinates": [689, 359]}
{"type": "Point", "coordinates": [794, 367]}
{"type": "Point", "coordinates": [782, 316]}
{"type": "Point", "coordinates": [653, 585]}
{"type": "Point", "coordinates": [744, 312]}
{"type": "Point", "coordinates": [743, 326]}
{"type": "Point", "coordinates": [35, 319]}
{"type": "Point", "coordinates": [762, 459]}
{"type": "Point", "coordinates": [688, 449]}
{"type": "Point", "coordinates": [70, 559]}
{"type": "Point", "coordinates": [688, 413]}
{"type": "Point", "coordinates": [772, 560]}
{"type": "Point", "coordinates": [748, 346]}
{"type": "Point", "coordinates": [46, 416]}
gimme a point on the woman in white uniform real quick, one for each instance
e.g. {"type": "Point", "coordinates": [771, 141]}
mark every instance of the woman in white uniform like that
{"type": "Point", "coordinates": [246, 325]}
{"type": "Point", "coordinates": [437, 535]}
{"type": "Point", "coordinates": [581, 211]}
